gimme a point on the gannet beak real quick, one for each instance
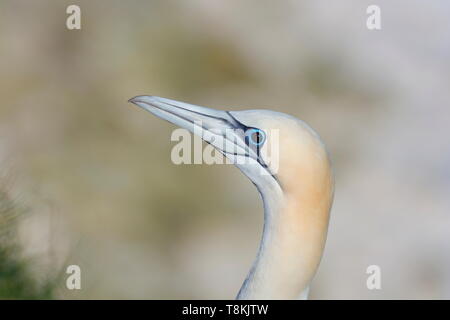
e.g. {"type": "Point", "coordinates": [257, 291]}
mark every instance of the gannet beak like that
{"type": "Point", "coordinates": [218, 128]}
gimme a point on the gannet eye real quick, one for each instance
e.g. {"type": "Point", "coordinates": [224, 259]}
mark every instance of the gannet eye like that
{"type": "Point", "coordinates": [255, 137]}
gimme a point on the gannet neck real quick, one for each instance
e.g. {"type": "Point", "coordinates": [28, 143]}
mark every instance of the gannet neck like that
{"type": "Point", "coordinates": [294, 234]}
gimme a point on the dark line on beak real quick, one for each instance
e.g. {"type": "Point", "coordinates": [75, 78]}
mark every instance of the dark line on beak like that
{"type": "Point", "coordinates": [196, 112]}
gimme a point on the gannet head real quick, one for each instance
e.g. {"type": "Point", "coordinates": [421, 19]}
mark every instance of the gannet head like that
{"type": "Point", "coordinates": [289, 165]}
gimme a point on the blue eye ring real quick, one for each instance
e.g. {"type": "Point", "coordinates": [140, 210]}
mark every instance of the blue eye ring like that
{"type": "Point", "coordinates": [262, 136]}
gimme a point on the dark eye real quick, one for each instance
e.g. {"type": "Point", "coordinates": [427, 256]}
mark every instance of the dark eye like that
{"type": "Point", "coordinates": [255, 136]}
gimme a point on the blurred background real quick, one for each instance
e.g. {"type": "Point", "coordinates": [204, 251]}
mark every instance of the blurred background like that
{"type": "Point", "coordinates": [86, 178]}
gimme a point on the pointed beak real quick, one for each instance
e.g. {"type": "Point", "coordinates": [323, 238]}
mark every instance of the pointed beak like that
{"type": "Point", "coordinates": [217, 127]}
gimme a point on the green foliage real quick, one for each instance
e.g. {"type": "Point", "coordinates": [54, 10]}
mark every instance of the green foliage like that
{"type": "Point", "coordinates": [16, 279]}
